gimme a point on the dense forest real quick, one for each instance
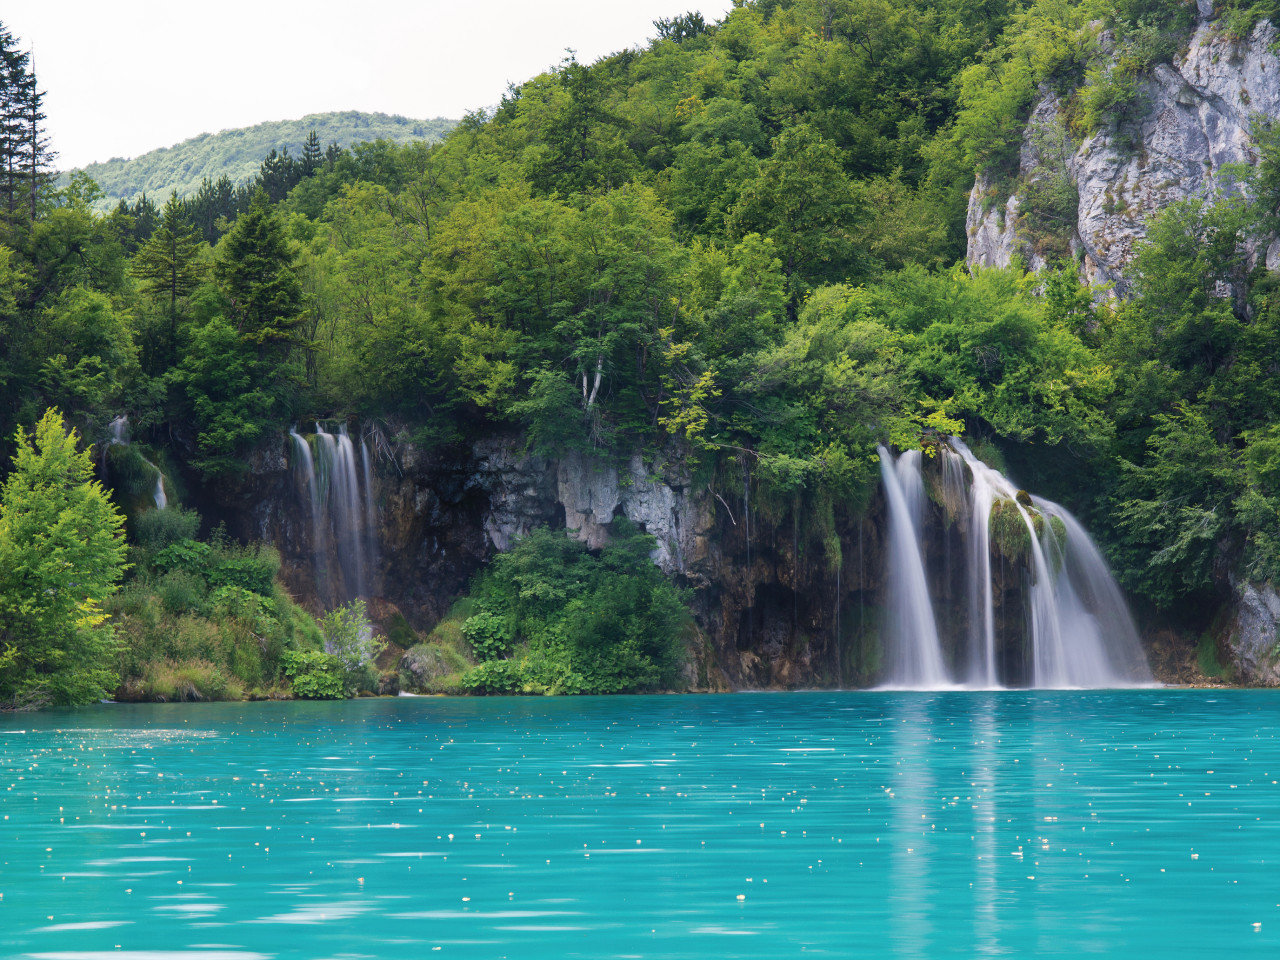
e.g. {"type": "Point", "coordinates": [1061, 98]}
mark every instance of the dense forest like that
{"type": "Point", "coordinates": [238, 154]}
{"type": "Point", "coordinates": [747, 235]}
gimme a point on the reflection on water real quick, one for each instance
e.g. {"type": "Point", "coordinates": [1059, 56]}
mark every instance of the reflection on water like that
{"type": "Point", "coordinates": [864, 824]}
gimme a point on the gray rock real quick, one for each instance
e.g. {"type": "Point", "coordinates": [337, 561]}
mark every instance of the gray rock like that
{"type": "Point", "coordinates": [1197, 123]}
{"type": "Point", "coordinates": [1252, 640]}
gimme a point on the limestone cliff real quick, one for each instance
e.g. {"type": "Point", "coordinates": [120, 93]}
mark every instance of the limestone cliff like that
{"type": "Point", "coordinates": [1196, 124]}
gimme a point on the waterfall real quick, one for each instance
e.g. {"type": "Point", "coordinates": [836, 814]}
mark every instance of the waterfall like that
{"type": "Point", "coordinates": [342, 510]}
{"type": "Point", "coordinates": [1077, 631]}
{"type": "Point", "coordinates": [119, 429]}
{"type": "Point", "coordinates": [913, 653]}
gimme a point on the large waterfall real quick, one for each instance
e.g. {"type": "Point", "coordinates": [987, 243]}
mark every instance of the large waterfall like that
{"type": "Point", "coordinates": [1037, 605]}
{"type": "Point", "coordinates": [342, 510]}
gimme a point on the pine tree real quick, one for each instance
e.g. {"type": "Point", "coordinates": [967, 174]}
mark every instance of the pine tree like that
{"type": "Point", "coordinates": [255, 269]}
{"type": "Point", "coordinates": [35, 153]}
{"type": "Point", "coordinates": [168, 263]}
{"type": "Point", "coordinates": [312, 155]}
{"type": "Point", "coordinates": [25, 156]}
{"type": "Point", "coordinates": [13, 72]}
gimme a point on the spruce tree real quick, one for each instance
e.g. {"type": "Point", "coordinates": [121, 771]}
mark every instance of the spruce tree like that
{"type": "Point", "coordinates": [168, 264]}
{"type": "Point", "coordinates": [312, 155]}
{"type": "Point", "coordinates": [255, 269]}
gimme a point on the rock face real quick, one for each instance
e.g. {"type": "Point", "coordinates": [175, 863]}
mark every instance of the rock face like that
{"type": "Point", "coordinates": [1197, 122]}
{"type": "Point", "coordinates": [1252, 639]}
{"type": "Point", "coordinates": [771, 612]}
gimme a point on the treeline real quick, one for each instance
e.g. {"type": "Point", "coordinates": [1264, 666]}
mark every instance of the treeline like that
{"type": "Point", "coordinates": [237, 153]}
{"type": "Point", "coordinates": [741, 243]}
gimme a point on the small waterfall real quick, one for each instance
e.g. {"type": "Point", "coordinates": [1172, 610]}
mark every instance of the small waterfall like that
{"type": "Point", "coordinates": [1078, 632]}
{"type": "Point", "coordinates": [342, 510]}
{"type": "Point", "coordinates": [913, 652]}
{"type": "Point", "coordinates": [305, 467]}
{"type": "Point", "coordinates": [119, 429]}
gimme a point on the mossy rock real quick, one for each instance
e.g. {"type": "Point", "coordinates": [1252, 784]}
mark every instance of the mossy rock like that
{"type": "Point", "coordinates": [1010, 537]}
{"type": "Point", "coordinates": [427, 667]}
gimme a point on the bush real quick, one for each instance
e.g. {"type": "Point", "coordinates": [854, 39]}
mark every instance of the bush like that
{"type": "Point", "coordinates": [250, 568]}
{"type": "Point", "coordinates": [180, 591]}
{"type": "Point", "coordinates": [568, 621]}
{"type": "Point", "coordinates": [157, 529]}
{"type": "Point", "coordinates": [487, 634]}
{"type": "Point", "coordinates": [315, 675]}
{"type": "Point", "coordinates": [348, 636]}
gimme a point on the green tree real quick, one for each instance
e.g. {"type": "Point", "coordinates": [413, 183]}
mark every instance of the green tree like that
{"type": "Point", "coordinates": [168, 263]}
{"type": "Point", "coordinates": [62, 554]}
{"type": "Point", "coordinates": [255, 269]}
{"type": "Point", "coordinates": [803, 202]}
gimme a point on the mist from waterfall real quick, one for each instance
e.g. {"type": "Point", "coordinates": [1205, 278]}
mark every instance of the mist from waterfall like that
{"type": "Point", "coordinates": [1077, 631]}
{"type": "Point", "coordinates": [342, 510]}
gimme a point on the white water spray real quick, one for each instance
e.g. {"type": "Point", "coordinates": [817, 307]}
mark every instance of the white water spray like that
{"type": "Point", "coordinates": [343, 512]}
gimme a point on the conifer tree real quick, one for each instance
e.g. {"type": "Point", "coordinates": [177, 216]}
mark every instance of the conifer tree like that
{"type": "Point", "coordinates": [255, 269]}
{"type": "Point", "coordinates": [62, 553]}
{"type": "Point", "coordinates": [312, 155]}
{"type": "Point", "coordinates": [168, 264]}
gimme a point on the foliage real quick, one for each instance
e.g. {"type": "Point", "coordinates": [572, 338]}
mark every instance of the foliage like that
{"type": "Point", "coordinates": [315, 675]}
{"type": "Point", "coordinates": [62, 555]}
{"type": "Point", "coordinates": [552, 618]}
{"type": "Point", "coordinates": [349, 637]}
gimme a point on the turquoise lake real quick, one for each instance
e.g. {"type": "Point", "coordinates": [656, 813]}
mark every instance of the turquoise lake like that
{"type": "Point", "coordinates": [1126, 824]}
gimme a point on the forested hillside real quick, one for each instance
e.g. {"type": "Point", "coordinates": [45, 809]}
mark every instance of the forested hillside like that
{"type": "Point", "coordinates": [743, 241]}
{"type": "Point", "coordinates": [237, 154]}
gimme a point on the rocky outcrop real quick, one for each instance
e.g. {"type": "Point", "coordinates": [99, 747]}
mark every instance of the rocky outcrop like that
{"type": "Point", "coordinates": [772, 611]}
{"type": "Point", "coordinates": [1196, 124]}
{"type": "Point", "coordinates": [1253, 638]}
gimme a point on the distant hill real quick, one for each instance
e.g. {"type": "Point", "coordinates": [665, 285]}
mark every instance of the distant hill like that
{"type": "Point", "coordinates": [238, 153]}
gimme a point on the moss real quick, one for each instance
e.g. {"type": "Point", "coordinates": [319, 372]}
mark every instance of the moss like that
{"type": "Point", "coordinates": [1207, 661]}
{"type": "Point", "coordinates": [1059, 529]}
{"type": "Point", "coordinates": [399, 632]}
{"type": "Point", "coordinates": [1010, 537]}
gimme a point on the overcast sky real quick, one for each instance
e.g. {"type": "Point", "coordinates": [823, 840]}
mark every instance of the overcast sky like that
{"type": "Point", "coordinates": [126, 76]}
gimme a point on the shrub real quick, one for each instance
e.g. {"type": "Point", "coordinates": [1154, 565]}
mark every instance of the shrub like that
{"type": "Point", "coordinates": [572, 622]}
{"type": "Point", "coordinates": [157, 529]}
{"type": "Point", "coordinates": [250, 568]}
{"type": "Point", "coordinates": [180, 591]}
{"type": "Point", "coordinates": [348, 636]}
{"type": "Point", "coordinates": [315, 675]}
{"type": "Point", "coordinates": [488, 635]}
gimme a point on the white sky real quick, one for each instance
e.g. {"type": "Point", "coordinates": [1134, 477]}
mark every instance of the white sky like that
{"type": "Point", "coordinates": [126, 76]}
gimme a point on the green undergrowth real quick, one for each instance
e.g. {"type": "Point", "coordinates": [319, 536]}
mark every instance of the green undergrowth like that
{"type": "Point", "coordinates": [203, 619]}
{"type": "Point", "coordinates": [551, 617]}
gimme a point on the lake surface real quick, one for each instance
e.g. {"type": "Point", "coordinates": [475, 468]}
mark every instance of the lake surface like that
{"type": "Point", "coordinates": [1141, 823]}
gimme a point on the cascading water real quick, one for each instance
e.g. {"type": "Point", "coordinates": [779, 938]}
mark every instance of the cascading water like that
{"type": "Point", "coordinates": [1077, 631]}
{"type": "Point", "coordinates": [119, 429]}
{"type": "Point", "coordinates": [343, 513]}
{"type": "Point", "coordinates": [913, 651]}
